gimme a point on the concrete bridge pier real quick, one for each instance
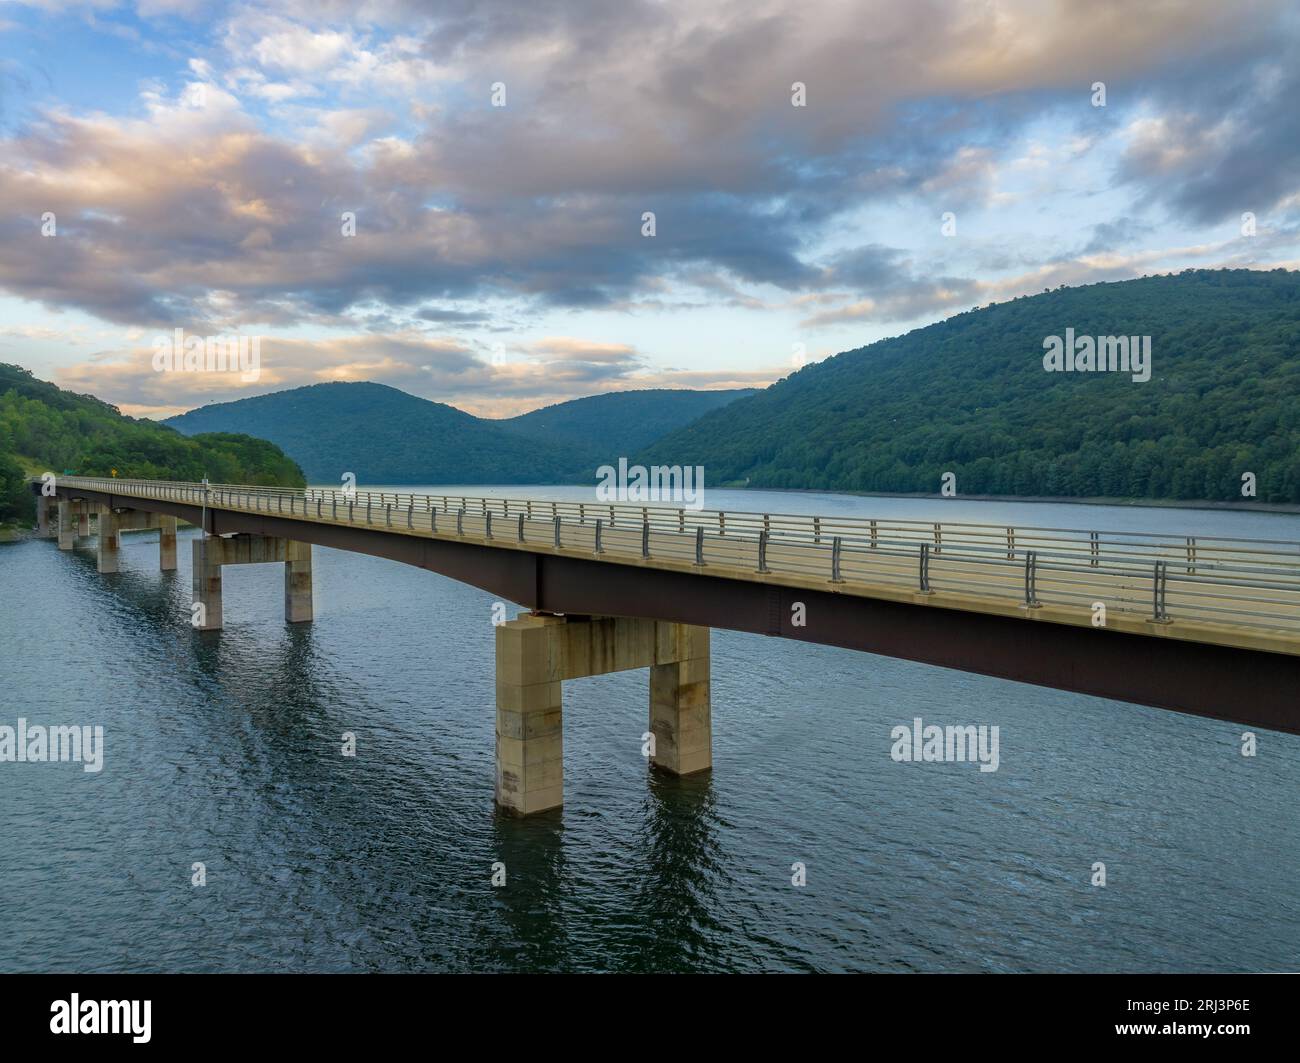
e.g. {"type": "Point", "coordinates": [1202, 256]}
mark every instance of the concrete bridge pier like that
{"type": "Point", "coordinates": [297, 583]}
{"type": "Point", "coordinates": [535, 654]}
{"type": "Point", "coordinates": [212, 553]}
{"type": "Point", "coordinates": [44, 529]}
{"type": "Point", "coordinates": [167, 544]}
{"type": "Point", "coordinates": [83, 520]}
{"type": "Point", "coordinates": [110, 540]}
{"type": "Point", "coordinates": [67, 529]}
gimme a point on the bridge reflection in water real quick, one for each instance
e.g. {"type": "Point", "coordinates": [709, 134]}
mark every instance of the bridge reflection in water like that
{"type": "Point", "coordinates": [1205, 625]}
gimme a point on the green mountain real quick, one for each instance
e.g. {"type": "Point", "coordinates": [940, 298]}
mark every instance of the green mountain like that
{"type": "Point", "coordinates": [970, 396]}
{"type": "Point", "coordinates": [44, 428]}
{"type": "Point", "coordinates": [384, 436]}
{"type": "Point", "coordinates": [616, 424]}
{"type": "Point", "coordinates": [387, 436]}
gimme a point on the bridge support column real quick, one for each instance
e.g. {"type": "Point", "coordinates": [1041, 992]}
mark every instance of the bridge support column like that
{"type": "Point", "coordinates": [297, 583]}
{"type": "Point", "coordinates": [537, 652]}
{"type": "Point", "coordinates": [83, 520]}
{"type": "Point", "coordinates": [44, 530]}
{"type": "Point", "coordinates": [67, 530]}
{"type": "Point", "coordinates": [207, 583]}
{"type": "Point", "coordinates": [167, 544]}
{"type": "Point", "coordinates": [530, 732]}
{"type": "Point", "coordinates": [109, 541]}
{"type": "Point", "coordinates": [681, 716]}
{"type": "Point", "coordinates": [212, 553]}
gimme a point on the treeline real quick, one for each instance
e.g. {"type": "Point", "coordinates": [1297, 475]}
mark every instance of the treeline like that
{"type": "Point", "coordinates": [969, 396]}
{"type": "Point", "coordinates": [43, 428]}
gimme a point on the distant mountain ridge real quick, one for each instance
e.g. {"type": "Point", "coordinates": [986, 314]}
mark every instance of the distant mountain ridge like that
{"type": "Point", "coordinates": [970, 396]}
{"type": "Point", "coordinates": [621, 421]}
{"type": "Point", "coordinates": [385, 435]}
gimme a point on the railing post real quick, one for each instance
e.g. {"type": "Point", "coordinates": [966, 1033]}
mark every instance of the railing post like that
{"type": "Point", "coordinates": [1158, 611]}
{"type": "Point", "coordinates": [938, 538]}
{"type": "Point", "coordinates": [1094, 548]}
{"type": "Point", "coordinates": [410, 514]}
{"type": "Point", "coordinates": [351, 508]}
{"type": "Point", "coordinates": [1191, 557]}
{"type": "Point", "coordinates": [762, 551]}
{"type": "Point", "coordinates": [318, 504]}
{"type": "Point", "coordinates": [722, 523]}
{"type": "Point", "coordinates": [925, 568]}
{"type": "Point", "coordinates": [681, 521]}
{"type": "Point", "coordinates": [599, 522]}
{"type": "Point", "coordinates": [460, 521]}
{"type": "Point", "coordinates": [487, 523]}
{"type": "Point", "coordinates": [1031, 580]}
{"type": "Point", "coordinates": [1011, 544]}
{"type": "Point", "coordinates": [367, 507]}
{"type": "Point", "coordinates": [388, 515]}
{"type": "Point", "coordinates": [645, 538]}
{"type": "Point", "coordinates": [699, 544]}
{"type": "Point", "coordinates": [836, 547]}
{"type": "Point", "coordinates": [557, 528]}
{"type": "Point", "coordinates": [874, 536]}
{"type": "Point", "coordinates": [521, 524]}
{"type": "Point", "coordinates": [433, 522]}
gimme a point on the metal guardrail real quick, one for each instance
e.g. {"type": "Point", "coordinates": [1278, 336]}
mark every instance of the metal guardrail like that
{"type": "Point", "coordinates": [1211, 579]}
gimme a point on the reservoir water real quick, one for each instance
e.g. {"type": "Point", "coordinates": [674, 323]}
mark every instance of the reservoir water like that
{"type": "Point", "coordinates": [224, 749]}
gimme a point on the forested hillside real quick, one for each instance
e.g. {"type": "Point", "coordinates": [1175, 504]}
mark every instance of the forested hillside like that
{"type": "Point", "coordinates": [970, 396]}
{"type": "Point", "coordinates": [614, 425]}
{"type": "Point", "coordinates": [43, 428]}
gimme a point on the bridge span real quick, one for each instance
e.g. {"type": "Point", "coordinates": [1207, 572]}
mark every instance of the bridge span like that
{"type": "Point", "coordinates": [1208, 626]}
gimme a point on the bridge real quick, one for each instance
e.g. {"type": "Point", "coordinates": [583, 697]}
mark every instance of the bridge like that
{"type": "Point", "coordinates": [1202, 625]}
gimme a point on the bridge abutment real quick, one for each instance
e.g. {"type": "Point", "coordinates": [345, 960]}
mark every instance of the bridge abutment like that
{"type": "Point", "coordinates": [537, 652]}
{"type": "Point", "coordinates": [212, 553]}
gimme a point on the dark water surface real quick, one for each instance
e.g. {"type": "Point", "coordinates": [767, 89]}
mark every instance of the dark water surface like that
{"type": "Point", "coordinates": [224, 748]}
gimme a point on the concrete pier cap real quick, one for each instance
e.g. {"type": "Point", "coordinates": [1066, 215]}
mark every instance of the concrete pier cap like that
{"type": "Point", "coordinates": [211, 553]}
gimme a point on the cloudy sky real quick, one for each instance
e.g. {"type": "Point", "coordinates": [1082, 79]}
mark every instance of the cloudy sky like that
{"type": "Point", "coordinates": [198, 159]}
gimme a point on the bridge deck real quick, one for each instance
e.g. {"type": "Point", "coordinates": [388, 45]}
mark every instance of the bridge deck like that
{"type": "Point", "coordinates": [1230, 592]}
